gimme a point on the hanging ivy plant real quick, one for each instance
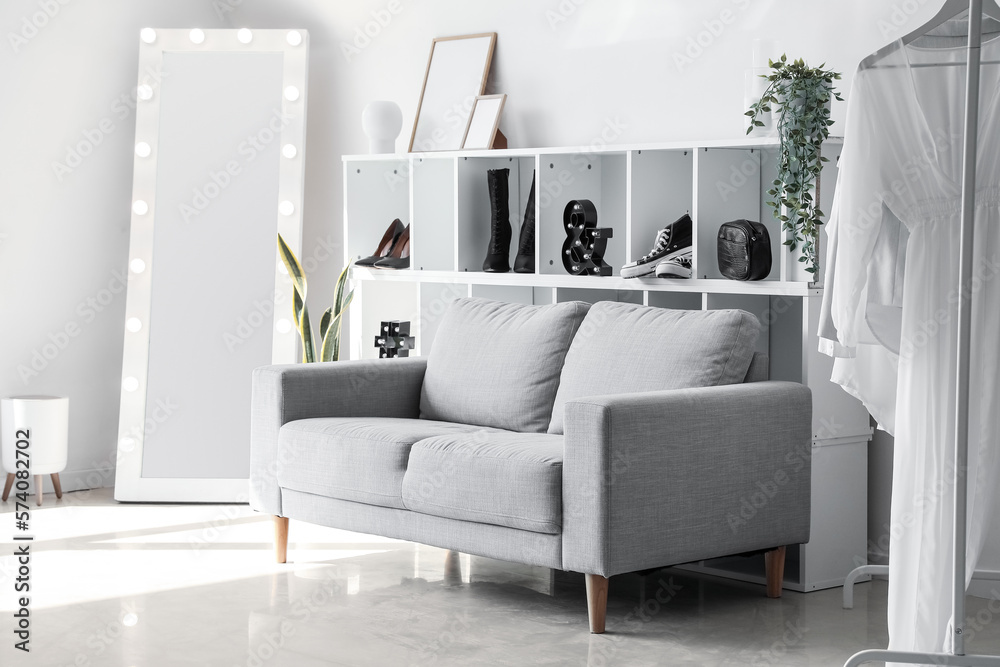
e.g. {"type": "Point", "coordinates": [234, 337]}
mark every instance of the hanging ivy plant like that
{"type": "Point", "coordinates": [801, 96]}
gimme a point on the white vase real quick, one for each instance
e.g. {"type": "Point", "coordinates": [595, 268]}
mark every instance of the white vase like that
{"type": "Point", "coordinates": [382, 120]}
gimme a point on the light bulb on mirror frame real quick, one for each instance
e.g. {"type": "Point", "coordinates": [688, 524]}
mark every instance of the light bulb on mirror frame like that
{"type": "Point", "coordinates": [148, 35]}
{"type": "Point", "coordinates": [197, 35]}
{"type": "Point", "coordinates": [286, 208]}
{"type": "Point", "coordinates": [244, 36]}
{"type": "Point", "coordinates": [133, 324]}
{"type": "Point", "coordinates": [130, 384]}
{"type": "Point", "coordinates": [144, 92]}
{"type": "Point", "coordinates": [294, 37]}
{"type": "Point", "coordinates": [142, 149]}
{"type": "Point", "coordinates": [140, 207]}
{"type": "Point", "coordinates": [291, 93]}
{"type": "Point", "coordinates": [137, 265]}
{"type": "Point", "coordinates": [289, 151]}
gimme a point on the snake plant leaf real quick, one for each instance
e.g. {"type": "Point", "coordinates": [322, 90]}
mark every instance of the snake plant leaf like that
{"type": "Point", "coordinates": [324, 323]}
{"type": "Point", "coordinates": [306, 333]}
{"type": "Point", "coordinates": [330, 350]}
{"type": "Point", "coordinates": [338, 300]}
{"type": "Point", "coordinates": [295, 271]}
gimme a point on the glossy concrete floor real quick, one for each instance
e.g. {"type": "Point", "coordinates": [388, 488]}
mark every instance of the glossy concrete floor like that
{"type": "Point", "coordinates": [149, 585]}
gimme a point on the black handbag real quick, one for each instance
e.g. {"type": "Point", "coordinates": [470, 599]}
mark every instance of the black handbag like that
{"type": "Point", "coordinates": [744, 250]}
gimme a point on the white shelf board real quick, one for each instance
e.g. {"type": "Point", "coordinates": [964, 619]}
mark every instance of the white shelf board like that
{"type": "Point", "coordinates": [739, 143]}
{"type": "Point", "coordinates": [764, 287]}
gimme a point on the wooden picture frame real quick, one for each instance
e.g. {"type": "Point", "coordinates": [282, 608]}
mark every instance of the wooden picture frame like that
{"type": "Point", "coordinates": [456, 74]}
{"type": "Point", "coordinates": [483, 129]}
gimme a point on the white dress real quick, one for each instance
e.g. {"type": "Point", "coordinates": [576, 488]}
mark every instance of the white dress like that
{"type": "Point", "coordinates": [891, 298]}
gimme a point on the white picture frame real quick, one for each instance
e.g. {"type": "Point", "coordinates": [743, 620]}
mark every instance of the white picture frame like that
{"type": "Point", "coordinates": [183, 433]}
{"type": "Point", "coordinates": [484, 122]}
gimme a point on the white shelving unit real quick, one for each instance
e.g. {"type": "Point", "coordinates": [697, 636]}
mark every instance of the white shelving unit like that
{"type": "Point", "coordinates": [637, 189]}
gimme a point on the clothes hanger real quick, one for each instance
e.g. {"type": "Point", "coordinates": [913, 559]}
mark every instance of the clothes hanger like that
{"type": "Point", "coordinates": [949, 10]}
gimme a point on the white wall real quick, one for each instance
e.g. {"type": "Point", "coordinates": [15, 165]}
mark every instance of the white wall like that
{"type": "Point", "coordinates": [576, 71]}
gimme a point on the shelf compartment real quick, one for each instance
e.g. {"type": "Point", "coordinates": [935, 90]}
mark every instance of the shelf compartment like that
{"type": "Point", "coordinates": [662, 191]}
{"type": "Point", "coordinates": [473, 206]}
{"type": "Point", "coordinates": [433, 234]}
{"type": "Point", "coordinates": [675, 300]}
{"type": "Point", "coordinates": [375, 193]}
{"type": "Point", "coordinates": [728, 183]}
{"type": "Point", "coordinates": [599, 177]}
{"type": "Point", "coordinates": [375, 302]}
{"type": "Point", "coordinates": [589, 295]}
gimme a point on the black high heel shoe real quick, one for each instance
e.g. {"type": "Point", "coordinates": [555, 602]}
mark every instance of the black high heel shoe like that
{"type": "Point", "coordinates": [385, 245]}
{"type": "Point", "coordinates": [399, 256]}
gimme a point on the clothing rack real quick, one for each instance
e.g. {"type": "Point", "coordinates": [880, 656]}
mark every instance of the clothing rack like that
{"type": "Point", "coordinates": [957, 658]}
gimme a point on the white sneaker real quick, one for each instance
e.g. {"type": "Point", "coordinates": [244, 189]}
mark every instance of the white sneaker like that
{"type": "Point", "coordinates": [675, 267]}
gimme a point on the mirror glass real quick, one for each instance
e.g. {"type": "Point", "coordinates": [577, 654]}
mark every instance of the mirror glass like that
{"type": "Point", "coordinates": [214, 182]}
{"type": "Point", "coordinates": [456, 74]}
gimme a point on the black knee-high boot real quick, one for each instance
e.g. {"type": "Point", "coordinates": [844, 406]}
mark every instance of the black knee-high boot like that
{"type": "Point", "coordinates": [498, 254]}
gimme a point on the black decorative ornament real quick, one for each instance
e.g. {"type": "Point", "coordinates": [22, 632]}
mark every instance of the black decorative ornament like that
{"type": "Point", "coordinates": [394, 339]}
{"type": "Point", "coordinates": [583, 249]}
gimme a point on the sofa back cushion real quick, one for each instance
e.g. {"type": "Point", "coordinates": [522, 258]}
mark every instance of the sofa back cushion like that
{"type": "Point", "coordinates": [623, 348]}
{"type": "Point", "coordinates": [498, 364]}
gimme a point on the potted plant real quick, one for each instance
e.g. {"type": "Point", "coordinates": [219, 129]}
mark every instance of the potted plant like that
{"type": "Point", "coordinates": [329, 324]}
{"type": "Point", "coordinates": [801, 96]}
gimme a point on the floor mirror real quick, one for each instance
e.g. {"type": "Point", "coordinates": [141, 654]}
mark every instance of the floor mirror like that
{"type": "Point", "coordinates": [219, 155]}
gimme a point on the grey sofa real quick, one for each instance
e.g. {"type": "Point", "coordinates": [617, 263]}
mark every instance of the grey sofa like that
{"type": "Point", "coordinates": [598, 439]}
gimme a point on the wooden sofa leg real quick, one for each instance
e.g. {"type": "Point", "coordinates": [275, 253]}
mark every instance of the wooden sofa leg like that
{"type": "Point", "coordinates": [281, 538]}
{"type": "Point", "coordinates": [597, 602]}
{"type": "Point", "coordinates": [774, 563]}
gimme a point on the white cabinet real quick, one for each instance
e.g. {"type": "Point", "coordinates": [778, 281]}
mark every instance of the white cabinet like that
{"type": "Point", "coordinates": [637, 190]}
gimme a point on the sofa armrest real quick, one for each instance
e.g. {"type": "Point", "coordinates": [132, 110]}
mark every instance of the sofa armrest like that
{"type": "Point", "coordinates": [667, 477]}
{"type": "Point", "coordinates": [281, 394]}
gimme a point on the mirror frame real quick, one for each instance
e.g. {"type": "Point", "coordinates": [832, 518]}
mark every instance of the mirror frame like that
{"type": "Point", "coordinates": [293, 44]}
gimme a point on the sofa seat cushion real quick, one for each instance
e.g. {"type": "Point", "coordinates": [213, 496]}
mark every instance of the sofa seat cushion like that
{"type": "Point", "coordinates": [358, 459]}
{"type": "Point", "coordinates": [498, 478]}
{"type": "Point", "coordinates": [498, 364]}
{"type": "Point", "coordinates": [623, 348]}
